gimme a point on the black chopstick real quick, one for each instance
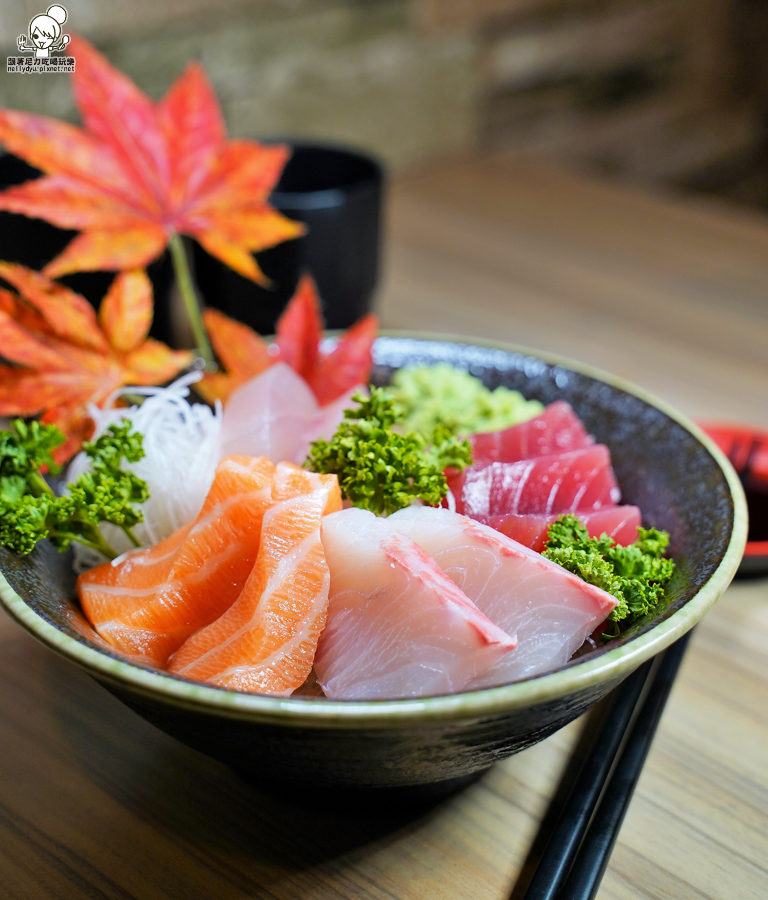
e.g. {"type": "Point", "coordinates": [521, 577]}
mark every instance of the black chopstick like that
{"type": "Point", "coordinates": [592, 860]}
{"type": "Point", "coordinates": [582, 839]}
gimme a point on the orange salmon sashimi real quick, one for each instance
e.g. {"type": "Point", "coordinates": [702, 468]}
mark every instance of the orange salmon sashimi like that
{"type": "Point", "coordinates": [152, 601]}
{"type": "Point", "coordinates": [266, 641]}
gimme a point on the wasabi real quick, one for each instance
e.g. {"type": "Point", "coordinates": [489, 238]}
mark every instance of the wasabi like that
{"type": "Point", "coordinates": [428, 396]}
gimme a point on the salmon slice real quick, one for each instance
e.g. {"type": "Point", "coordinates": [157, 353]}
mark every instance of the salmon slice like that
{"type": "Point", "coordinates": [397, 625]}
{"type": "Point", "coordinates": [265, 642]}
{"type": "Point", "coordinates": [557, 430]}
{"type": "Point", "coordinates": [618, 522]}
{"type": "Point", "coordinates": [152, 601]}
{"type": "Point", "coordinates": [551, 611]}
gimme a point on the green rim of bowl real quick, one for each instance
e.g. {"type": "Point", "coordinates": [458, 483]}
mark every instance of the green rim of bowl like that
{"type": "Point", "coordinates": [383, 714]}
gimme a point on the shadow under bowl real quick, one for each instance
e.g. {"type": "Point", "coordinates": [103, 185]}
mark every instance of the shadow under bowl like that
{"type": "Point", "coordinates": [664, 464]}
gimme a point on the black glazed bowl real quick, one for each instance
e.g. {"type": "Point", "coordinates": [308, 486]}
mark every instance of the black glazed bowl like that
{"type": "Point", "coordinates": [664, 464]}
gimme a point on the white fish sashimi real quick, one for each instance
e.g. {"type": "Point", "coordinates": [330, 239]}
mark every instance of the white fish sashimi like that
{"type": "Point", "coordinates": [268, 416]}
{"type": "Point", "coordinates": [275, 414]}
{"type": "Point", "coordinates": [397, 626]}
{"type": "Point", "coordinates": [551, 611]}
{"type": "Point", "coordinates": [328, 417]}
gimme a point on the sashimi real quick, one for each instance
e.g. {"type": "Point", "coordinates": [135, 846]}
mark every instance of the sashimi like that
{"type": "Point", "coordinates": [618, 522]}
{"type": "Point", "coordinates": [557, 430]}
{"type": "Point", "coordinates": [276, 415]}
{"type": "Point", "coordinates": [327, 418]}
{"type": "Point", "coordinates": [152, 601]}
{"type": "Point", "coordinates": [268, 415]}
{"type": "Point", "coordinates": [550, 610]}
{"type": "Point", "coordinates": [266, 641]}
{"type": "Point", "coordinates": [397, 626]}
{"type": "Point", "coordinates": [547, 485]}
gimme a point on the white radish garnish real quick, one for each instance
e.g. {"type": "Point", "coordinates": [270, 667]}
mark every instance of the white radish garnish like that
{"type": "Point", "coordinates": [182, 445]}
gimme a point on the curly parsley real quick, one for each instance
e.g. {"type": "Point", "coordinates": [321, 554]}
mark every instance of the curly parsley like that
{"type": "Point", "coordinates": [31, 511]}
{"type": "Point", "coordinates": [381, 469]}
{"type": "Point", "coordinates": [636, 575]}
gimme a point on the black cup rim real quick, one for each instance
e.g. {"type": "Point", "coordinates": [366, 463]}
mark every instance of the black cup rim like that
{"type": "Point", "coordinates": [326, 198]}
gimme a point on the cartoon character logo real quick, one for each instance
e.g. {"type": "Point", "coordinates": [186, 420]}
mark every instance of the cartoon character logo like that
{"type": "Point", "coordinates": [45, 33]}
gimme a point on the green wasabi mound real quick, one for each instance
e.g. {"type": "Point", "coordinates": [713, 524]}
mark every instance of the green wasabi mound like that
{"type": "Point", "coordinates": [428, 396]}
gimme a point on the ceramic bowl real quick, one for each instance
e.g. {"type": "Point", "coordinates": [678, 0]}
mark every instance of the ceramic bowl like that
{"type": "Point", "coordinates": [664, 464]}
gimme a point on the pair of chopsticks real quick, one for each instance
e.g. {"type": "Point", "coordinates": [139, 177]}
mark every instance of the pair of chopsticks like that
{"type": "Point", "coordinates": [581, 831]}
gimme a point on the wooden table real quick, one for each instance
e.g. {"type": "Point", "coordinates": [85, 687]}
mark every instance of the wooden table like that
{"type": "Point", "coordinates": [95, 803]}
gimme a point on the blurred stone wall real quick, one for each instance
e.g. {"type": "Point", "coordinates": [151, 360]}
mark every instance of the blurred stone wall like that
{"type": "Point", "coordinates": [656, 89]}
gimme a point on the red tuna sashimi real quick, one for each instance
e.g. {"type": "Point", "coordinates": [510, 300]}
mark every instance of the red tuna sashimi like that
{"type": "Point", "coordinates": [397, 626]}
{"type": "Point", "coordinates": [549, 485]}
{"type": "Point", "coordinates": [618, 522]}
{"type": "Point", "coordinates": [557, 430]}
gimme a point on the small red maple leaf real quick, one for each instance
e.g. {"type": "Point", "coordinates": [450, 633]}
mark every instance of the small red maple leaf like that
{"type": "Point", "coordinates": [64, 357]}
{"type": "Point", "coordinates": [245, 354]}
{"type": "Point", "coordinates": [141, 172]}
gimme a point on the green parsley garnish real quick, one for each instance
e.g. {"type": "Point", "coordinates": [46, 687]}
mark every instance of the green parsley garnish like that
{"type": "Point", "coordinates": [380, 468]}
{"type": "Point", "coordinates": [636, 575]}
{"type": "Point", "coordinates": [31, 511]}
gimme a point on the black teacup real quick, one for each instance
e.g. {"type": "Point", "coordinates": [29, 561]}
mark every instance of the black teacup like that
{"type": "Point", "coordinates": [337, 193]}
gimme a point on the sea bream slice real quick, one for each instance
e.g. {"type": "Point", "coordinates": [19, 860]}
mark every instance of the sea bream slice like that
{"type": "Point", "coordinates": [275, 414]}
{"type": "Point", "coordinates": [397, 625]}
{"type": "Point", "coordinates": [557, 430]}
{"type": "Point", "coordinates": [551, 611]}
{"type": "Point", "coordinates": [545, 485]}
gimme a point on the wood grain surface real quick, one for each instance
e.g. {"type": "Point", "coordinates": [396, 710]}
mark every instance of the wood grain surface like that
{"type": "Point", "coordinates": [672, 294]}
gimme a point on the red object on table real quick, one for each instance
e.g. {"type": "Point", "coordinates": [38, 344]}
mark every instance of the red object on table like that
{"type": "Point", "coordinates": [747, 449]}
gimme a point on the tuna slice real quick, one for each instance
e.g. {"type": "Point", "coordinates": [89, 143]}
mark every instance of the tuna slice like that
{"type": "Point", "coordinates": [397, 626]}
{"type": "Point", "coordinates": [557, 430]}
{"type": "Point", "coordinates": [550, 610]}
{"type": "Point", "coordinates": [152, 601]}
{"type": "Point", "coordinates": [275, 414]}
{"type": "Point", "coordinates": [548, 485]}
{"type": "Point", "coordinates": [618, 522]}
{"type": "Point", "coordinates": [266, 641]}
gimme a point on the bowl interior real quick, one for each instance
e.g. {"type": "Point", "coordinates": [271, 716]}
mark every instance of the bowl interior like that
{"type": "Point", "coordinates": [661, 465]}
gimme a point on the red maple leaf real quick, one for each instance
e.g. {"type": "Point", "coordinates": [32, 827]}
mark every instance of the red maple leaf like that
{"type": "Point", "coordinates": [64, 357]}
{"type": "Point", "coordinates": [245, 354]}
{"type": "Point", "coordinates": [141, 172]}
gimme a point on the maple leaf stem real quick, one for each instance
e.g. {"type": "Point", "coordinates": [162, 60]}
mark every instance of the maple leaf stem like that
{"type": "Point", "coordinates": [188, 295]}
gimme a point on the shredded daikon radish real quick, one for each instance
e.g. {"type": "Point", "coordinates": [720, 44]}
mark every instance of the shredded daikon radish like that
{"type": "Point", "coordinates": [182, 445]}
